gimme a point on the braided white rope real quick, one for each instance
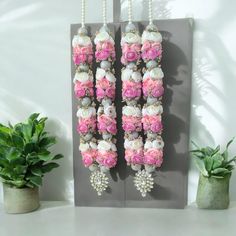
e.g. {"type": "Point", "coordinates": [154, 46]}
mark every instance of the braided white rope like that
{"type": "Point", "coordinates": [150, 11]}
{"type": "Point", "coordinates": [82, 12]}
{"type": "Point", "coordinates": [130, 11]}
{"type": "Point", "coordinates": [104, 12]}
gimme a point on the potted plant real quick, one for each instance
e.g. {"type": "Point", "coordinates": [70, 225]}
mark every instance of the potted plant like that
{"type": "Point", "coordinates": [215, 171]}
{"type": "Point", "coordinates": [24, 159]}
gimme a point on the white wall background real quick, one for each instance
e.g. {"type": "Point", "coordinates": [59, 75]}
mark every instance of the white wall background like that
{"type": "Point", "coordinates": [35, 71]}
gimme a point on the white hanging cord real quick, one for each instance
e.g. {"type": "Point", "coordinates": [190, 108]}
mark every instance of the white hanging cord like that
{"type": "Point", "coordinates": [150, 11]}
{"type": "Point", "coordinates": [130, 11]}
{"type": "Point", "coordinates": [82, 12]}
{"type": "Point", "coordinates": [104, 12]}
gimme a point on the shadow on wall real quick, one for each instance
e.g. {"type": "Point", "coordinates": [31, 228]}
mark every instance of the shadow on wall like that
{"type": "Point", "coordinates": [57, 184]}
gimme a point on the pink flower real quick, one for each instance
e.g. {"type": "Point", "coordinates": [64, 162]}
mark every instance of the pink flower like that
{"type": "Point", "coordinates": [79, 58]}
{"type": "Point", "coordinates": [110, 92]}
{"type": "Point", "coordinates": [102, 55]}
{"type": "Point", "coordinates": [151, 51]}
{"type": "Point", "coordinates": [107, 158]}
{"type": "Point", "coordinates": [82, 128]}
{"type": "Point", "coordinates": [131, 89]}
{"type": "Point", "coordinates": [80, 92]}
{"type": "Point", "coordinates": [134, 156]}
{"type": "Point", "coordinates": [88, 157]}
{"type": "Point", "coordinates": [153, 157]}
{"type": "Point", "coordinates": [103, 83]}
{"type": "Point", "coordinates": [131, 123]}
{"type": "Point", "coordinates": [130, 53]}
{"type": "Point", "coordinates": [152, 123]}
{"type": "Point", "coordinates": [100, 93]}
{"type": "Point", "coordinates": [106, 124]}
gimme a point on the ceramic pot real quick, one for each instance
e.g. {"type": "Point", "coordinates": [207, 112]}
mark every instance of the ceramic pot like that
{"type": "Point", "coordinates": [213, 193]}
{"type": "Point", "coordinates": [20, 200]}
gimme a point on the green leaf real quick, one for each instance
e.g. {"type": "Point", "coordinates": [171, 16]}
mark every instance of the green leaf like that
{"type": "Point", "coordinates": [201, 166]}
{"type": "Point", "coordinates": [58, 156]}
{"type": "Point", "coordinates": [29, 147]}
{"type": "Point", "coordinates": [36, 170]}
{"type": "Point", "coordinates": [12, 154]}
{"type": "Point", "coordinates": [218, 161]}
{"type": "Point", "coordinates": [48, 167]}
{"type": "Point", "coordinates": [47, 142]}
{"type": "Point", "coordinates": [27, 132]}
{"type": "Point", "coordinates": [17, 141]}
{"type": "Point", "coordinates": [34, 116]}
{"type": "Point", "coordinates": [221, 171]}
{"type": "Point", "coordinates": [208, 161]}
{"type": "Point", "coordinates": [228, 144]}
{"type": "Point", "coordinates": [35, 180]}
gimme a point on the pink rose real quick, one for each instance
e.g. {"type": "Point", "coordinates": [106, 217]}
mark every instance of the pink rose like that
{"type": "Point", "coordinates": [79, 92]}
{"type": "Point", "coordinates": [82, 128]}
{"type": "Point", "coordinates": [79, 58]}
{"type": "Point", "coordinates": [87, 159]}
{"type": "Point", "coordinates": [110, 92]}
{"type": "Point", "coordinates": [156, 127]}
{"type": "Point", "coordinates": [102, 55]}
{"type": "Point", "coordinates": [110, 159]}
{"type": "Point", "coordinates": [153, 157]}
{"type": "Point", "coordinates": [112, 128]}
{"type": "Point", "coordinates": [157, 92]}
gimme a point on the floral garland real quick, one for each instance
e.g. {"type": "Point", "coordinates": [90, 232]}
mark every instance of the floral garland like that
{"type": "Point", "coordinates": [131, 94]}
{"type": "Point", "coordinates": [105, 91]}
{"type": "Point", "coordinates": [152, 87]}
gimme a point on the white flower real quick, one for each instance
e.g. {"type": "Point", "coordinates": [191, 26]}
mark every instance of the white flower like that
{"type": "Point", "coordinates": [156, 73]}
{"type": "Point", "coordinates": [131, 111]}
{"type": "Point", "coordinates": [131, 38]}
{"type": "Point", "coordinates": [158, 144]}
{"type": "Point", "coordinates": [83, 147]}
{"type": "Point", "coordinates": [86, 112]}
{"type": "Point", "coordinates": [104, 145]}
{"type": "Point", "coordinates": [110, 111]}
{"type": "Point", "coordinates": [133, 144]}
{"type": "Point", "coordinates": [152, 110]}
{"type": "Point", "coordinates": [81, 40]}
{"type": "Point", "coordinates": [113, 147]}
{"type": "Point", "coordinates": [126, 74]}
{"type": "Point", "coordinates": [101, 36]}
{"type": "Point", "coordinates": [100, 73]}
{"type": "Point", "coordinates": [148, 144]}
{"type": "Point", "coordinates": [151, 36]}
{"type": "Point", "coordinates": [146, 75]}
{"type": "Point", "coordinates": [93, 145]}
{"type": "Point", "coordinates": [110, 77]}
{"type": "Point", "coordinates": [136, 76]}
{"type": "Point", "coordinates": [82, 77]}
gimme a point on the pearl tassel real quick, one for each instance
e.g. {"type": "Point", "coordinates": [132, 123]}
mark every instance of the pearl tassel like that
{"type": "Point", "coordinates": [104, 15]}
{"type": "Point", "coordinates": [83, 13]}
{"type": "Point", "coordinates": [150, 11]}
{"type": "Point", "coordinates": [130, 11]}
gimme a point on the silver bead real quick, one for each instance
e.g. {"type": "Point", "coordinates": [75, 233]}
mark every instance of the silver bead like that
{"type": "Point", "coordinates": [151, 100]}
{"type": "Point", "coordinates": [86, 101]}
{"type": "Point", "coordinates": [151, 135]}
{"type": "Point", "coordinates": [151, 64]}
{"type": "Point", "coordinates": [131, 66]}
{"type": "Point", "coordinates": [93, 167]}
{"type": "Point", "coordinates": [130, 28]}
{"type": "Point", "coordinates": [106, 136]}
{"type": "Point", "coordinates": [83, 68]}
{"type": "Point", "coordinates": [99, 182]}
{"type": "Point", "coordinates": [82, 31]}
{"type": "Point", "coordinates": [136, 167]}
{"type": "Point", "coordinates": [150, 168]}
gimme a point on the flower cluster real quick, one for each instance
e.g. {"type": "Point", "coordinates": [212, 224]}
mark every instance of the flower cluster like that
{"type": "Point", "coordinates": [131, 84]}
{"type": "Point", "coordinates": [153, 154]}
{"type": "Point", "coordinates": [83, 85]}
{"type": "Point", "coordinates": [86, 120]}
{"type": "Point", "coordinates": [151, 46]}
{"type": "Point", "coordinates": [151, 118]}
{"type": "Point", "coordinates": [131, 47]}
{"type": "Point", "coordinates": [107, 120]}
{"type": "Point", "coordinates": [152, 83]}
{"type": "Point", "coordinates": [82, 49]}
{"type": "Point", "coordinates": [105, 85]}
{"type": "Point", "coordinates": [88, 152]}
{"type": "Point", "coordinates": [105, 47]}
{"type": "Point", "coordinates": [106, 153]}
{"type": "Point", "coordinates": [134, 151]}
{"type": "Point", "coordinates": [131, 119]}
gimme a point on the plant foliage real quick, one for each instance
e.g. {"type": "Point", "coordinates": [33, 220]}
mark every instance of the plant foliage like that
{"type": "Point", "coordinates": [211, 162]}
{"type": "Point", "coordinates": [24, 153]}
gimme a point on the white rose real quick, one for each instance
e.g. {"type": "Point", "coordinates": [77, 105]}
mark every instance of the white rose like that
{"type": "Point", "coordinates": [101, 36]}
{"type": "Point", "coordinates": [100, 73]}
{"type": "Point", "coordinates": [126, 74]}
{"type": "Point", "coordinates": [82, 77]}
{"type": "Point", "coordinates": [93, 145]}
{"type": "Point", "coordinates": [86, 112]}
{"type": "Point", "coordinates": [152, 110]}
{"type": "Point", "coordinates": [156, 73]}
{"type": "Point", "coordinates": [151, 36]}
{"type": "Point", "coordinates": [131, 38]}
{"type": "Point", "coordinates": [131, 111]}
{"type": "Point", "coordinates": [83, 147]}
{"type": "Point", "coordinates": [136, 76]}
{"type": "Point", "coordinates": [136, 144]}
{"type": "Point", "coordinates": [110, 111]}
{"type": "Point", "coordinates": [148, 144]}
{"type": "Point", "coordinates": [113, 147]}
{"type": "Point", "coordinates": [127, 144]}
{"type": "Point", "coordinates": [158, 144]}
{"type": "Point", "coordinates": [146, 75]}
{"type": "Point", "coordinates": [104, 145]}
{"type": "Point", "coordinates": [110, 77]}
{"type": "Point", "coordinates": [81, 40]}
